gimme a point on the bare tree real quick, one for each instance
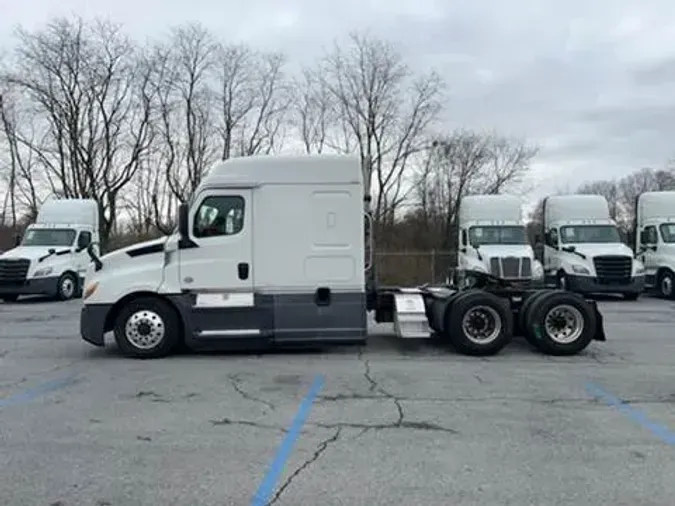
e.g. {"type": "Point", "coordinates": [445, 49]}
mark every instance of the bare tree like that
{"type": "Point", "coordinates": [7, 127]}
{"type": "Point", "coordinates": [462, 164]}
{"type": "Point", "coordinates": [313, 110]}
{"type": "Point", "coordinates": [609, 190]}
{"type": "Point", "coordinates": [386, 111]}
{"type": "Point", "coordinates": [23, 187]}
{"type": "Point", "coordinates": [181, 70]}
{"type": "Point", "coordinates": [85, 82]}
{"type": "Point", "coordinates": [622, 194]}
{"type": "Point", "coordinates": [253, 100]}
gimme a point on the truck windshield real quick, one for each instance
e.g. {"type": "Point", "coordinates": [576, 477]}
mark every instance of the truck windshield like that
{"type": "Point", "coordinates": [49, 237]}
{"type": "Point", "coordinates": [497, 235]}
{"type": "Point", "coordinates": [668, 232]}
{"type": "Point", "coordinates": [590, 233]}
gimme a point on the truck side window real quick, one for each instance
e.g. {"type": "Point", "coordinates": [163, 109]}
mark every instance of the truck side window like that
{"type": "Point", "coordinates": [219, 215]}
{"type": "Point", "coordinates": [651, 236]}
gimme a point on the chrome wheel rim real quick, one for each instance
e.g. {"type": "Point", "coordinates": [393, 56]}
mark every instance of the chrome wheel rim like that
{"type": "Point", "coordinates": [144, 329]}
{"type": "Point", "coordinates": [67, 287]}
{"type": "Point", "coordinates": [482, 324]}
{"type": "Point", "coordinates": [564, 324]}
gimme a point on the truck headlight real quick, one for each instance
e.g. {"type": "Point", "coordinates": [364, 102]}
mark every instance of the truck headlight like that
{"type": "Point", "coordinates": [580, 269]}
{"type": "Point", "coordinates": [43, 272]}
{"type": "Point", "coordinates": [537, 271]}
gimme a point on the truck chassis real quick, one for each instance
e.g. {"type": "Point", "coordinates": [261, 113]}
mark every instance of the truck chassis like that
{"type": "Point", "coordinates": [483, 319]}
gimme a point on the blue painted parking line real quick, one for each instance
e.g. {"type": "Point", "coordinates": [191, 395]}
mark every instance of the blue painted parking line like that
{"type": "Point", "coordinates": [633, 414]}
{"type": "Point", "coordinates": [38, 391]}
{"type": "Point", "coordinates": [269, 483]}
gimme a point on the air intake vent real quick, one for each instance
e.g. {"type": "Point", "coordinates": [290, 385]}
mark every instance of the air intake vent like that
{"type": "Point", "coordinates": [13, 271]}
{"type": "Point", "coordinates": [613, 269]}
{"type": "Point", "coordinates": [511, 267]}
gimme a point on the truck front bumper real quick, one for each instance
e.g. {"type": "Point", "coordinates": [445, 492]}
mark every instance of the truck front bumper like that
{"type": "Point", "coordinates": [92, 323]}
{"type": "Point", "coordinates": [48, 286]}
{"type": "Point", "coordinates": [587, 284]}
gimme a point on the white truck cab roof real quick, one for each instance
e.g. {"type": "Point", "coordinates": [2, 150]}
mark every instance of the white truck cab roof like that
{"type": "Point", "coordinates": [576, 209]}
{"type": "Point", "coordinates": [656, 206]}
{"type": "Point", "coordinates": [252, 171]}
{"type": "Point", "coordinates": [65, 212]}
{"type": "Point", "coordinates": [485, 208]}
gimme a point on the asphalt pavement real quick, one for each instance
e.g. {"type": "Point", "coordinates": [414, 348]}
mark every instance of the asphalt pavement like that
{"type": "Point", "coordinates": [390, 424]}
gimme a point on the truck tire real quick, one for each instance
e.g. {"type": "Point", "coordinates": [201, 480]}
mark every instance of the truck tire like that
{"type": "Point", "coordinates": [147, 327]}
{"type": "Point", "coordinates": [526, 309]}
{"type": "Point", "coordinates": [478, 323]}
{"type": "Point", "coordinates": [438, 312]}
{"type": "Point", "coordinates": [666, 284]}
{"type": "Point", "coordinates": [560, 323]}
{"type": "Point", "coordinates": [67, 286]}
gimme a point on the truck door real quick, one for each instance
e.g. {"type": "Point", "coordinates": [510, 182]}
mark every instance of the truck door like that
{"type": "Point", "coordinates": [219, 260]}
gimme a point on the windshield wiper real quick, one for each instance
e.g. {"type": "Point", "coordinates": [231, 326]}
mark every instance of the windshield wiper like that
{"type": "Point", "coordinates": [573, 249]}
{"type": "Point", "coordinates": [52, 251]}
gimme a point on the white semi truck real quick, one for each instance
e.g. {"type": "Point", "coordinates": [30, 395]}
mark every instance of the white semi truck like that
{"type": "Point", "coordinates": [655, 240]}
{"type": "Point", "coordinates": [51, 259]}
{"type": "Point", "coordinates": [492, 239]}
{"type": "Point", "coordinates": [583, 251]}
{"type": "Point", "coordinates": [271, 251]}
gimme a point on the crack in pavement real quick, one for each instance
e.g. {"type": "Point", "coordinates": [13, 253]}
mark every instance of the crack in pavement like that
{"type": "Point", "coordinates": [400, 423]}
{"type": "Point", "coordinates": [248, 423]}
{"type": "Point", "coordinates": [235, 381]}
{"type": "Point", "coordinates": [322, 447]}
{"type": "Point", "coordinates": [154, 397]}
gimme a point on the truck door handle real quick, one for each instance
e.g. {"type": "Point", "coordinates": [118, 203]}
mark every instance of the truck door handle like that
{"type": "Point", "coordinates": [243, 269]}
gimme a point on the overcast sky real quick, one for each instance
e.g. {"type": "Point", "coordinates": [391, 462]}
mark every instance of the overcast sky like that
{"type": "Point", "coordinates": [593, 83]}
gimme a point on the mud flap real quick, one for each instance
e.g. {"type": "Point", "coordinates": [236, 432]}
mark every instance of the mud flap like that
{"type": "Point", "coordinates": [599, 334]}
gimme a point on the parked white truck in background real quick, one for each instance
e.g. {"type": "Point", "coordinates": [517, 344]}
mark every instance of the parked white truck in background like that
{"type": "Point", "coordinates": [583, 251]}
{"type": "Point", "coordinates": [492, 239]}
{"type": "Point", "coordinates": [655, 240]}
{"type": "Point", "coordinates": [51, 258]}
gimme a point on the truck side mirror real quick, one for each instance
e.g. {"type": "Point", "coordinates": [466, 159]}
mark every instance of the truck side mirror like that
{"type": "Point", "coordinates": [183, 225]}
{"type": "Point", "coordinates": [537, 238]}
{"type": "Point", "coordinates": [644, 239]}
{"type": "Point", "coordinates": [83, 241]}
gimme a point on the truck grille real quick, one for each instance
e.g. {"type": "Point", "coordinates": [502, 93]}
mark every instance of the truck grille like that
{"type": "Point", "coordinates": [511, 267]}
{"type": "Point", "coordinates": [613, 269]}
{"type": "Point", "coordinates": [13, 271]}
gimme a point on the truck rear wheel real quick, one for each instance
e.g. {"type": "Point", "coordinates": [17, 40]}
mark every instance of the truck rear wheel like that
{"type": "Point", "coordinates": [560, 323]}
{"type": "Point", "coordinates": [524, 314]}
{"type": "Point", "coordinates": [478, 323]}
{"type": "Point", "coordinates": [147, 327]}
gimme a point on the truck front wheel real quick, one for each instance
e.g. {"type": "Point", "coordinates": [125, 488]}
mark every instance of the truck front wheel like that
{"type": "Point", "coordinates": [665, 284]}
{"type": "Point", "coordinates": [147, 327]}
{"type": "Point", "coordinates": [67, 286]}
